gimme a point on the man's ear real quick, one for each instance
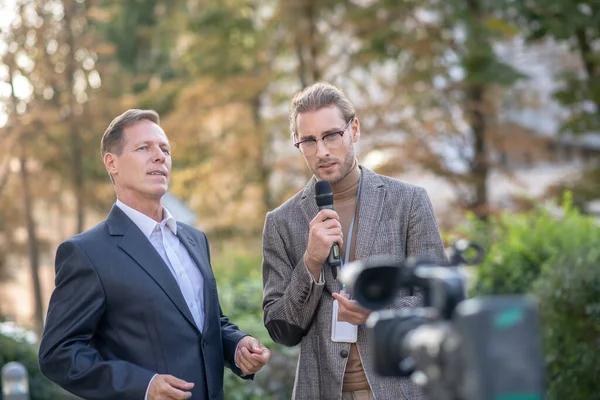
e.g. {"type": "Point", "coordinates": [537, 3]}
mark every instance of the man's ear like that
{"type": "Point", "coordinates": [355, 125]}
{"type": "Point", "coordinates": [111, 163]}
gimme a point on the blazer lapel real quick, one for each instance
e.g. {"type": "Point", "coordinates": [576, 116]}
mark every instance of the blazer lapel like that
{"type": "Point", "coordinates": [195, 250]}
{"type": "Point", "coordinates": [145, 255]}
{"type": "Point", "coordinates": [370, 210]}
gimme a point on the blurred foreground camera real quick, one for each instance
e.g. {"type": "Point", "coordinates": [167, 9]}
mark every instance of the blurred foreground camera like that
{"type": "Point", "coordinates": [484, 348]}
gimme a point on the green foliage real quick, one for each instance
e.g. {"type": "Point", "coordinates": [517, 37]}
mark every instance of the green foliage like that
{"type": "Point", "coordinates": [577, 25]}
{"type": "Point", "coordinates": [555, 256]}
{"type": "Point", "coordinates": [240, 292]}
{"type": "Point", "coordinates": [569, 293]}
{"type": "Point", "coordinates": [522, 243]}
{"type": "Point", "coordinates": [40, 388]}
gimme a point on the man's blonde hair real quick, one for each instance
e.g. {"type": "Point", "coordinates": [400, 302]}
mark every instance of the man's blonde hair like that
{"type": "Point", "coordinates": [317, 96]}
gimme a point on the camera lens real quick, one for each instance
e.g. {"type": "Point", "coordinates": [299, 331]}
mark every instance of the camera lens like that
{"type": "Point", "coordinates": [375, 288]}
{"type": "Point", "coordinates": [388, 334]}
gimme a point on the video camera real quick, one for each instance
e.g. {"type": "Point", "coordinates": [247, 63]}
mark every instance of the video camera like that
{"type": "Point", "coordinates": [484, 348]}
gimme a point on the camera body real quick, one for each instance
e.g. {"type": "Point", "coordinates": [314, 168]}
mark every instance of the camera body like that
{"type": "Point", "coordinates": [454, 348]}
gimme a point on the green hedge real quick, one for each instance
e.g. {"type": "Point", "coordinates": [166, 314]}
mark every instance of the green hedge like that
{"type": "Point", "coordinates": [40, 388]}
{"type": "Point", "coordinates": [554, 256]}
{"type": "Point", "coordinates": [569, 292]}
{"type": "Point", "coordinates": [239, 281]}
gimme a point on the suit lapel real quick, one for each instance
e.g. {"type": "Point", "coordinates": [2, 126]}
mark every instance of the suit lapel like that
{"type": "Point", "coordinates": [197, 251]}
{"type": "Point", "coordinates": [139, 248]}
{"type": "Point", "coordinates": [370, 210]}
{"type": "Point", "coordinates": [309, 205]}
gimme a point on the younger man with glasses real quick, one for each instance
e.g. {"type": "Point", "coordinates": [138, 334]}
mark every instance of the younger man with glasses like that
{"type": "Point", "coordinates": [373, 215]}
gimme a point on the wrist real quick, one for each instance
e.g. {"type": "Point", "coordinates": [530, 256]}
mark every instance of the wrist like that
{"type": "Point", "coordinates": [314, 267]}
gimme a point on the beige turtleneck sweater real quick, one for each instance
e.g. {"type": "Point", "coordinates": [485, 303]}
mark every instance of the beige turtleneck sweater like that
{"type": "Point", "coordinates": [344, 201]}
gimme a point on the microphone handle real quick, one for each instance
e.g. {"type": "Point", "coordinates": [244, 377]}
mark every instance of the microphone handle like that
{"type": "Point", "coordinates": [334, 260]}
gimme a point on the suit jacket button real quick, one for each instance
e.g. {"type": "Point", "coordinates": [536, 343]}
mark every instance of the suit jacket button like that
{"type": "Point", "coordinates": [203, 343]}
{"type": "Point", "coordinates": [344, 353]}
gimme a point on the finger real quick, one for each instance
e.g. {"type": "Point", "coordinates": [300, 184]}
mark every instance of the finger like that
{"type": "Point", "coordinates": [355, 306]}
{"type": "Point", "coordinates": [259, 361]}
{"type": "Point", "coordinates": [356, 317]}
{"type": "Point", "coordinates": [351, 305]}
{"type": "Point", "coordinates": [251, 358]}
{"type": "Point", "coordinates": [254, 364]}
{"type": "Point", "coordinates": [328, 224]}
{"type": "Point", "coordinates": [330, 235]}
{"type": "Point", "coordinates": [342, 300]}
{"type": "Point", "coordinates": [258, 350]}
{"type": "Point", "coordinates": [243, 360]}
{"type": "Point", "coordinates": [254, 346]}
{"type": "Point", "coordinates": [265, 349]}
{"type": "Point", "coordinates": [337, 239]}
{"type": "Point", "coordinates": [326, 214]}
{"type": "Point", "coordinates": [329, 240]}
{"type": "Point", "coordinates": [178, 383]}
{"type": "Point", "coordinates": [246, 367]}
{"type": "Point", "coordinates": [263, 358]}
{"type": "Point", "coordinates": [173, 393]}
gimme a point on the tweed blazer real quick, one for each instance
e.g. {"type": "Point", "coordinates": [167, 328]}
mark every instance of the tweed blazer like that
{"type": "Point", "coordinates": [394, 218]}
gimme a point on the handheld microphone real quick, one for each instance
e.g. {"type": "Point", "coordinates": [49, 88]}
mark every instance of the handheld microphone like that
{"type": "Point", "coordinates": [324, 199]}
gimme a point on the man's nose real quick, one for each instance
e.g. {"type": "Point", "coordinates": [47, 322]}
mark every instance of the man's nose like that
{"type": "Point", "coordinates": [159, 155]}
{"type": "Point", "coordinates": [322, 149]}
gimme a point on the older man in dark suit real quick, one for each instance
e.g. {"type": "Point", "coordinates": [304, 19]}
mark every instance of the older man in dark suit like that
{"type": "Point", "coordinates": [135, 313]}
{"type": "Point", "coordinates": [374, 215]}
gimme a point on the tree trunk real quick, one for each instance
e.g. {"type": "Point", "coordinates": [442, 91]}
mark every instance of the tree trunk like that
{"type": "Point", "coordinates": [76, 145]}
{"type": "Point", "coordinates": [480, 169]}
{"type": "Point", "coordinates": [306, 43]}
{"type": "Point", "coordinates": [264, 171]}
{"type": "Point", "coordinates": [28, 202]}
{"type": "Point", "coordinates": [32, 243]}
{"type": "Point", "coordinates": [475, 112]}
{"type": "Point", "coordinates": [589, 61]}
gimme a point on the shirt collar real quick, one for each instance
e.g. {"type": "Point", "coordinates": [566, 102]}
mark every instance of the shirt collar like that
{"type": "Point", "coordinates": [144, 222]}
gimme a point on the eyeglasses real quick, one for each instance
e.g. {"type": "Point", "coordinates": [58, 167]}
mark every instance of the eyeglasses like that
{"type": "Point", "coordinates": [332, 140]}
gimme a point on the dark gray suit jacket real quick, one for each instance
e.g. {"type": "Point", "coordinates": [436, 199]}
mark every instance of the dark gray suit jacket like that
{"type": "Point", "coordinates": [117, 317]}
{"type": "Point", "coordinates": [394, 219]}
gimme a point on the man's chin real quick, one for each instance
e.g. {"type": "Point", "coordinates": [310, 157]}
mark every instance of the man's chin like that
{"type": "Point", "coordinates": [158, 193]}
{"type": "Point", "coordinates": [330, 176]}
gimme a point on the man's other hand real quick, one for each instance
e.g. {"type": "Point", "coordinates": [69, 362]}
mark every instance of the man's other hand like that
{"type": "Point", "coordinates": [350, 310]}
{"type": "Point", "coordinates": [251, 356]}
{"type": "Point", "coordinates": [167, 387]}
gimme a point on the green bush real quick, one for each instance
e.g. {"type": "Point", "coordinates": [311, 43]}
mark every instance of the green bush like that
{"type": "Point", "coordinates": [518, 245]}
{"type": "Point", "coordinates": [240, 292]}
{"type": "Point", "coordinates": [556, 257]}
{"type": "Point", "coordinates": [40, 388]}
{"type": "Point", "coordinates": [569, 293]}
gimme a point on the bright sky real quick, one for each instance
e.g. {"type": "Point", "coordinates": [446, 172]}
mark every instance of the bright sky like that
{"type": "Point", "coordinates": [22, 87]}
{"type": "Point", "coordinates": [7, 13]}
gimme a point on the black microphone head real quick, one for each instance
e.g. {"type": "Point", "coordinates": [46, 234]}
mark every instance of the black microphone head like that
{"type": "Point", "coordinates": [323, 194]}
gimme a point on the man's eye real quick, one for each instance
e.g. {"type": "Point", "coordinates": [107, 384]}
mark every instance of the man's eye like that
{"type": "Point", "coordinates": [167, 151]}
{"type": "Point", "coordinates": [142, 148]}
